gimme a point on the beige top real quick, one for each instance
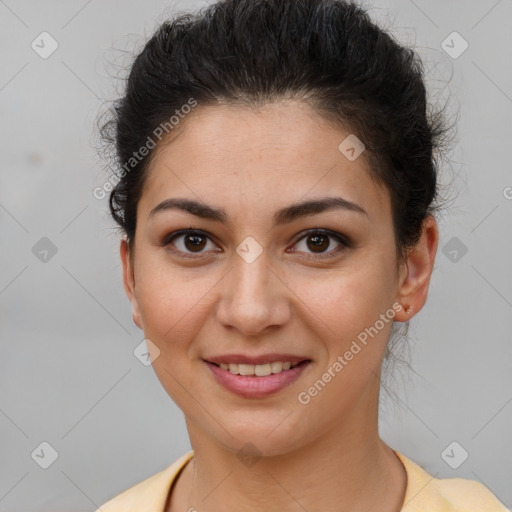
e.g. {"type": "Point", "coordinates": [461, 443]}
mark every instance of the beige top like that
{"type": "Point", "coordinates": [424, 493]}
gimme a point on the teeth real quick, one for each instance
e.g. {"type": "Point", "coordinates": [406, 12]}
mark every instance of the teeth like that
{"type": "Point", "coordinates": [260, 370]}
{"type": "Point", "coordinates": [276, 367]}
{"type": "Point", "coordinates": [246, 369]}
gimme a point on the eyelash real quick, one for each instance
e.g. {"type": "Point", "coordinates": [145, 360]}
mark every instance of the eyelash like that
{"type": "Point", "coordinates": [344, 241]}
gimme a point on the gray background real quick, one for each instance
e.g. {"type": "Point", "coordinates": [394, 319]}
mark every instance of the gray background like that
{"type": "Point", "coordinates": [68, 375]}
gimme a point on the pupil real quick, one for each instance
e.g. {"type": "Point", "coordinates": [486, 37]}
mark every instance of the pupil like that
{"type": "Point", "coordinates": [317, 242]}
{"type": "Point", "coordinates": [197, 242]}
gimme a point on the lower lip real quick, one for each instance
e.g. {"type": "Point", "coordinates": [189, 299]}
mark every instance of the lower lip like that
{"type": "Point", "coordinates": [250, 386]}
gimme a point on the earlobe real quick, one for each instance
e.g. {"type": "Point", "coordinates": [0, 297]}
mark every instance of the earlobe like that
{"type": "Point", "coordinates": [129, 281]}
{"type": "Point", "coordinates": [414, 286]}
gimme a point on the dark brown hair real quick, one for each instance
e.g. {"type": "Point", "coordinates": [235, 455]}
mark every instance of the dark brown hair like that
{"type": "Point", "coordinates": [248, 52]}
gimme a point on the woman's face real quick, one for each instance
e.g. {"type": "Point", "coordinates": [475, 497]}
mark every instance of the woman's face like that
{"type": "Point", "coordinates": [252, 286]}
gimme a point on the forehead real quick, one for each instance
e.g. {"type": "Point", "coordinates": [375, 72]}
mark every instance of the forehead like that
{"type": "Point", "coordinates": [259, 158]}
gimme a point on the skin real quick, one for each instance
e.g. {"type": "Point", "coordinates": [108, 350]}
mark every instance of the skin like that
{"type": "Point", "coordinates": [326, 455]}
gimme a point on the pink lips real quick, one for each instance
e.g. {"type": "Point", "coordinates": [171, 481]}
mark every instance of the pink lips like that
{"type": "Point", "coordinates": [251, 386]}
{"type": "Point", "coordinates": [261, 359]}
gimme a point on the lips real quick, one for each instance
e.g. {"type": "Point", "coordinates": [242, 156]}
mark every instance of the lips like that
{"type": "Point", "coordinates": [261, 359]}
{"type": "Point", "coordinates": [257, 376]}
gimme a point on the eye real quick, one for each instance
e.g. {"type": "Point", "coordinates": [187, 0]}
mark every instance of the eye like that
{"type": "Point", "coordinates": [319, 240]}
{"type": "Point", "coordinates": [189, 242]}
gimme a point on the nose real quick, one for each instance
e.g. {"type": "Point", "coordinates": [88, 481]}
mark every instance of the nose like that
{"type": "Point", "coordinates": [253, 297]}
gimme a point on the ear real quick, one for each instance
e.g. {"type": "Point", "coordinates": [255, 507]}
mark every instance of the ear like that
{"type": "Point", "coordinates": [416, 272]}
{"type": "Point", "coordinates": [129, 281]}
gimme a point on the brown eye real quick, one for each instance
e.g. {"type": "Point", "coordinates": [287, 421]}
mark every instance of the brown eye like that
{"type": "Point", "coordinates": [319, 241]}
{"type": "Point", "coordinates": [189, 242]}
{"type": "Point", "coordinates": [194, 242]}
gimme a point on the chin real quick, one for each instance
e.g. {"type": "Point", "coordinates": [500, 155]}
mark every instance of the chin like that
{"type": "Point", "coordinates": [265, 435]}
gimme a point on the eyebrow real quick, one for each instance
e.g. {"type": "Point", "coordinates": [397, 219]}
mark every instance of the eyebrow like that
{"type": "Point", "coordinates": [283, 216]}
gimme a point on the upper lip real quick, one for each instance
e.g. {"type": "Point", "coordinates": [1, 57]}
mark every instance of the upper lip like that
{"type": "Point", "coordinates": [261, 359]}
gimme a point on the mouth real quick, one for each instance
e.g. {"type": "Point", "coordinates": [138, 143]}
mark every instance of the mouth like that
{"type": "Point", "coordinates": [256, 380]}
{"type": "Point", "coordinates": [258, 370]}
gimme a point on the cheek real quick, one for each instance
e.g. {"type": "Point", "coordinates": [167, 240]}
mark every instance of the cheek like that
{"type": "Point", "coordinates": [349, 300]}
{"type": "Point", "coordinates": [350, 309]}
{"type": "Point", "coordinates": [175, 303]}
{"type": "Point", "coordinates": [171, 301]}
{"type": "Point", "coordinates": [350, 305]}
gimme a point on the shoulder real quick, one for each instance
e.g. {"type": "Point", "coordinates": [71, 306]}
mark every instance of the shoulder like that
{"type": "Point", "coordinates": [426, 492]}
{"type": "Point", "coordinates": [150, 495]}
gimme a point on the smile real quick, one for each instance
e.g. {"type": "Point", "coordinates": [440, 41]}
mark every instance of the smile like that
{"type": "Point", "coordinates": [257, 380]}
{"type": "Point", "coordinates": [259, 370]}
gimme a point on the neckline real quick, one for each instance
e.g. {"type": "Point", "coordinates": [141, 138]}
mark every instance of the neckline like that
{"type": "Point", "coordinates": [187, 457]}
{"type": "Point", "coordinates": [404, 461]}
{"type": "Point", "coordinates": [408, 480]}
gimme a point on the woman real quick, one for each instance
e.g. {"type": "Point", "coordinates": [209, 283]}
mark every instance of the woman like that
{"type": "Point", "coordinates": [277, 194]}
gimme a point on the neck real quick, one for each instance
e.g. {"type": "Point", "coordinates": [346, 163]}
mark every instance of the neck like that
{"type": "Point", "coordinates": [349, 465]}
